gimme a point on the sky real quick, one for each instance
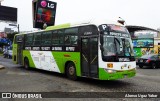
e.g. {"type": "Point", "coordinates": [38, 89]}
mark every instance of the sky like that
{"type": "Point", "coordinates": [134, 12]}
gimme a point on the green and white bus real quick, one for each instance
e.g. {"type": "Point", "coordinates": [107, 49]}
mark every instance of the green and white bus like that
{"type": "Point", "coordinates": [92, 49]}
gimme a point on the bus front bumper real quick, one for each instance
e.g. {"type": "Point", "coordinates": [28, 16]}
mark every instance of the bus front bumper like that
{"type": "Point", "coordinates": [104, 75]}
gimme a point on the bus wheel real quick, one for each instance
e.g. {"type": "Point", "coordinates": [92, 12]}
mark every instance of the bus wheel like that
{"type": "Point", "coordinates": [26, 63]}
{"type": "Point", "coordinates": [71, 71]}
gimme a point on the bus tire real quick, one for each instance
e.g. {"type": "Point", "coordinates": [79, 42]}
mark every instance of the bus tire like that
{"type": "Point", "coordinates": [26, 63]}
{"type": "Point", "coordinates": [71, 71]}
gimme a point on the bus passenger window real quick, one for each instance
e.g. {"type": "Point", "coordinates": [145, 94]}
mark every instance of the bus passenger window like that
{"type": "Point", "coordinates": [55, 39]}
{"type": "Point", "coordinates": [67, 40]}
{"type": "Point", "coordinates": [46, 38]}
{"type": "Point", "coordinates": [74, 40]}
{"type": "Point", "coordinates": [28, 39]}
{"type": "Point", "coordinates": [71, 37]}
{"type": "Point", "coordinates": [71, 40]}
{"type": "Point", "coordinates": [37, 39]}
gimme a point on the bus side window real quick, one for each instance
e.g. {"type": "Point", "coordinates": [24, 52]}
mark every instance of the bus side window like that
{"type": "Point", "coordinates": [74, 40]}
{"type": "Point", "coordinates": [28, 39]}
{"type": "Point", "coordinates": [57, 37]}
{"type": "Point", "coordinates": [71, 36]}
{"type": "Point", "coordinates": [71, 39]}
{"type": "Point", "coordinates": [37, 39]}
{"type": "Point", "coordinates": [67, 40]}
{"type": "Point", "coordinates": [46, 38]}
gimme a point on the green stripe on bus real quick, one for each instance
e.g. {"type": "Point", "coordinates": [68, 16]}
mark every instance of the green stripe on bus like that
{"type": "Point", "coordinates": [62, 58]}
{"type": "Point", "coordinates": [14, 53]}
{"type": "Point", "coordinates": [67, 25]}
{"type": "Point", "coordinates": [26, 53]}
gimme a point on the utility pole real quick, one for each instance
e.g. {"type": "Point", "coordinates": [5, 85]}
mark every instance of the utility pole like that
{"type": "Point", "coordinates": [18, 28]}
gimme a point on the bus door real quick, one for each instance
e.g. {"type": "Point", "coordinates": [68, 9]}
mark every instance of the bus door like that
{"type": "Point", "coordinates": [89, 57]}
{"type": "Point", "coordinates": [20, 49]}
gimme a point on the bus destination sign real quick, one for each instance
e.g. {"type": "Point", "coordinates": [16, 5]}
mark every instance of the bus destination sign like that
{"type": "Point", "coordinates": [114, 30]}
{"type": "Point", "coordinates": [112, 27]}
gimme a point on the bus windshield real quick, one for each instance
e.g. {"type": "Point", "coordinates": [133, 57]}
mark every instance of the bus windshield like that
{"type": "Point", "coordinates": [117, 46]}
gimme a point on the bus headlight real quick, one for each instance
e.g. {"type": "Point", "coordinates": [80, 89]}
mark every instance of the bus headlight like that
{"type": "Point", "coordinates": [109, 71]}
{"type": "Point", "coordinates": [110, 65]}
{"type": "Point", "coordinates": [122, 67]}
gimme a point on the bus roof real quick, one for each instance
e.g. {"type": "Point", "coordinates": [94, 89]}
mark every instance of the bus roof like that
{"type": "Point", "coordinates": [81, 23]}
{"type": "Point", "coordinates": [87, 22]}
{"type": "Point", "coordinates": [29, 32]}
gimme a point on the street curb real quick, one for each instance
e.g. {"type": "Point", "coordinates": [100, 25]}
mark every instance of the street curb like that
{"type": "Point", "coordinates": [1, 67]}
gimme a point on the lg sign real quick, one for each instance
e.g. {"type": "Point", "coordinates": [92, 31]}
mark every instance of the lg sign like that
{"type": "Point", "coordinates": [44, 13]}
{"type": "Point", "coordinates": [47, 4]}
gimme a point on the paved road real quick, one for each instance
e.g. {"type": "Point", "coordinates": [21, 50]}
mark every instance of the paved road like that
{"type": "Point", "coordinates": [14, 78]}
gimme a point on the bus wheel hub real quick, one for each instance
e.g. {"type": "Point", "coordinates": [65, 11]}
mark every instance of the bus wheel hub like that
{"type": "Point", "coordinates": [71, 70]}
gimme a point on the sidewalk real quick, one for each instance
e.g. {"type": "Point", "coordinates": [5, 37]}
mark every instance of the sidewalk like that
{"type": "Point", "coordinates": [1, 67]}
